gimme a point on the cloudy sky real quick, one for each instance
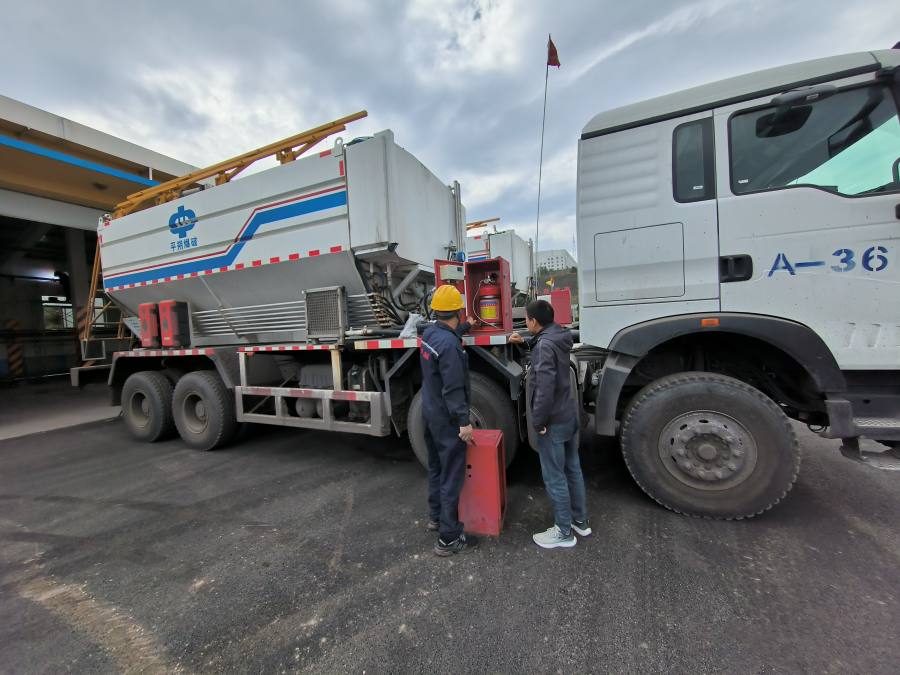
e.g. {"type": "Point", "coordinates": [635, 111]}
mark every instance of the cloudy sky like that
{"type": "Point", "coordinates": [460, 82]}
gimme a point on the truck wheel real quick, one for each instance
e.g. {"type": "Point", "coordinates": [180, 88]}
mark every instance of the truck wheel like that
{"type": "Point", "coordinates": [709, 445]}
{"type": "Point", "coordinates": [147, 406]}
{"type": "Point", "coordinates": [204, 410]}
{"type": "Point", "coordinates": [490, 408]}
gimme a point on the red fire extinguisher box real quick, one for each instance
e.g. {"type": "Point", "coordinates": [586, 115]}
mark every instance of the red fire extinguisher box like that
{"type": "Point", "coordinates": [482, 502]}
{"type": "Point", "coordinates": [489, 295]}
{"type": "Point", "coordinates": [148, 314]}
{"type": "Point", "coordinates": [174, 323]}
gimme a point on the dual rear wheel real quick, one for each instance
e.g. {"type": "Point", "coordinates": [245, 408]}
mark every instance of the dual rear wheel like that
{"type": "Point", "coordinates": [199, 407]}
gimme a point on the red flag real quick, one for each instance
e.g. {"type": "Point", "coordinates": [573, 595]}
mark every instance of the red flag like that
{"type": "Point", "coordinates": [552, 56]}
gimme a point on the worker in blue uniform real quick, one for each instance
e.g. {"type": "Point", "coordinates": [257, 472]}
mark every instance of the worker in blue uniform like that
{"type": "Point", "coordinates": [445, 413]}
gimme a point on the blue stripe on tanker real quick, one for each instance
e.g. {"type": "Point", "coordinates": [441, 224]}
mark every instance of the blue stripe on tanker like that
{"type": "Point", "coordinates": [293, 210]}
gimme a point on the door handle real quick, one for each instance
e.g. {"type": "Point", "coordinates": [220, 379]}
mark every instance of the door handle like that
{"type": "Point", "coordinates": [735, 268]}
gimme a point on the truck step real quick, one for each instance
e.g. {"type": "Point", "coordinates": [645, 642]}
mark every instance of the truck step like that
{"type": "Point", "coordinates": [878, 428]}
{"type": "Point", "coordinates": [877, 422]}
{"type": "Point", "coordinates": [888, 460]}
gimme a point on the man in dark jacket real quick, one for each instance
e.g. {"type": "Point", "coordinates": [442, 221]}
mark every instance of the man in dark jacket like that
{"type": "Point", "coordinates": [555, 418]}
{"type": "Point", "coordinates": [445, 411]}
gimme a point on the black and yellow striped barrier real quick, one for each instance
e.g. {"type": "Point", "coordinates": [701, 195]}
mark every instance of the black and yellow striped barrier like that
{"type": "Point", "coordinates": [15, 354]}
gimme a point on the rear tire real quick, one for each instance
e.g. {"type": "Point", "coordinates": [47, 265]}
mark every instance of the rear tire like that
{"type": "Point", "coordinates": [147, 406]}
{"type": "Point", "coordinates": [709, 445]}
{"type": "Point", "coordinates": [490, 408]}
{"type": "Point", "coordinates": [203, 409]}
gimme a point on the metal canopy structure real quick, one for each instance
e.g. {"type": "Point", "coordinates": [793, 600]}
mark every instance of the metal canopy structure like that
{"type": "Point", "coordinates": [46, 156]}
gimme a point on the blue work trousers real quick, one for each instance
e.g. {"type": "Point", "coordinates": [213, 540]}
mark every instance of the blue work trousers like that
{"type": "Point", "coordinates": [446, 471]}
{"type": "Point", "coordinates": [561, 468]}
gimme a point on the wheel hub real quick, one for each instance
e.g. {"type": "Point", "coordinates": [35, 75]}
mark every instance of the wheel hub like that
{"type": "Point", "coordinates": [140, 410]}
{"type": "Point", "coordinates": [707, 450]}
{"type": "Point", "coordinates": [196, 414]}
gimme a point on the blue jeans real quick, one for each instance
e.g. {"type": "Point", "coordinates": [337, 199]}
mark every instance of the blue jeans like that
{"type": "Point", "coordinates": [561, 468]}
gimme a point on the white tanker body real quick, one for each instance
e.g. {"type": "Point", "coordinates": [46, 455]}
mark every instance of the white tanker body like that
{"type": "Point", "coordinates": [291, 287]}
{"type": "Point", "coordinates": [363, 216]}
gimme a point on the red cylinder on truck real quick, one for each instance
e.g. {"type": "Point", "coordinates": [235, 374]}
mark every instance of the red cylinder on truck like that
{"type": "Point", "coordinates": [489, 302]}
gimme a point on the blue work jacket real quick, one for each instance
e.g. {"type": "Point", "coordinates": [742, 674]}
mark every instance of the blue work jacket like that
{"type": "Point", "coordinates": [445, 376]}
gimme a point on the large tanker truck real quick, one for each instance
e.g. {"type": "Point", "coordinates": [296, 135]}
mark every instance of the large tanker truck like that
{"type": "Point", "coordinates": [736, 247]}
{"type": "Point", "coordinates": [280, 299]}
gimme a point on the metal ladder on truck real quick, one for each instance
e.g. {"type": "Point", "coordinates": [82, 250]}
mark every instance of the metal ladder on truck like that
{"type": "Point", "coordinates": [96, 348]}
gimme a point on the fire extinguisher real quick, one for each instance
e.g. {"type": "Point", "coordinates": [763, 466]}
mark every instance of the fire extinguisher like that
{"type": "Point", "coordinates": [488, 301]}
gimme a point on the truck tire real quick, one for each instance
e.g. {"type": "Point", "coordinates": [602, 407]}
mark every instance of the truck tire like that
{"type": "Point", "coordinates": [204, 410]}
{"type": "Point", "coordinates": [710, 446]}
{"type": "Point", "coordinates": [147, 406]}
{"type": "Point", "coordinates": [490, 408]}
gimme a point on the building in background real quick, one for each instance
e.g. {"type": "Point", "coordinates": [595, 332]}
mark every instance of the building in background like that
{"type": "Point", "coordinates": [57, 177]}
{"type": "Point", "coordinates": [556, 259]}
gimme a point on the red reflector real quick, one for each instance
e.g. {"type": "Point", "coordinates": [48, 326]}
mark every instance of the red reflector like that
{"type": "Point", "coordinates": [709, 323]}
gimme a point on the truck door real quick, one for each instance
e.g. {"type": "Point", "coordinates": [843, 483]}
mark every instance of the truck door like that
{"type": "Point", "coordinates": [808, 196]}
{"type": "Point", "coordinates": [647, 235]}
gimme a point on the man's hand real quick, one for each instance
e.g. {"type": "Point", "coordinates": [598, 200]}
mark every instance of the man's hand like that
{"type": "Point", "coordinates": [467, 433]}
{"type": "Point", "coordinates": [516, 339]}
{"type": "Point", "coordinates": [470, 320]}
{"type": "Point", "coordinates": [543, 431]}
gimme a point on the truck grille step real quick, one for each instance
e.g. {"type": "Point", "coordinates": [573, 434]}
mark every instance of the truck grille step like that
{"type": "Point", "coordinates": [876, 423]}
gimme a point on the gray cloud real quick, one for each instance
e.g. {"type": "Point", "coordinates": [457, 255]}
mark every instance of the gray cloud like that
{"type": "Point", "coordinates": [459, 81]}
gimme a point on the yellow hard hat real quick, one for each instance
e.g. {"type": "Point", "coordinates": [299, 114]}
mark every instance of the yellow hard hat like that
{"type": "Point", "coordinates": [446, 298]}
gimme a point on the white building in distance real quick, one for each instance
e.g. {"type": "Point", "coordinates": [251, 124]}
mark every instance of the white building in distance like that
{"type": "Point", "coordinates": [556, 259]}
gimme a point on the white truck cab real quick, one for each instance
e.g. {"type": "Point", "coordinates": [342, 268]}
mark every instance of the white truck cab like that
{"type": "Point", "coordinates": [739, 266]}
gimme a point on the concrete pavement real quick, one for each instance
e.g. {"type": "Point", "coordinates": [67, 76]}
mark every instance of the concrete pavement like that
{"type": "Point", "coordinates": [51, 403]}
{"type": "Point", "coordinates": [303, 551]}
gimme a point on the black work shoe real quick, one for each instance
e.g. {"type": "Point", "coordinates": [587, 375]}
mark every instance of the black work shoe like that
{"type": "Point", "coordinates": [463, 544]}
{"type": "Point", "coordinates": [433, 526]}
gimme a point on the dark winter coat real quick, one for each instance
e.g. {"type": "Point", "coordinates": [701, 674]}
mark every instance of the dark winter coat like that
{"type": "Point", "coordinates": [548, 388]}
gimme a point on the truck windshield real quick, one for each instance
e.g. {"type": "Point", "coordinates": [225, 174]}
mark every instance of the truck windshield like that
{"type": "Point", "coordinates": [847, 143]}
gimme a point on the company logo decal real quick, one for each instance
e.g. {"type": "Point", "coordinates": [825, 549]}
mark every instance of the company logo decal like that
{"type": "Point", "coordinates": [182, 221]}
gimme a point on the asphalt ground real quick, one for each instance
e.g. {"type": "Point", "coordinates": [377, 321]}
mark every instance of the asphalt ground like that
{"type": "Point", "coordinates": [306, 551]}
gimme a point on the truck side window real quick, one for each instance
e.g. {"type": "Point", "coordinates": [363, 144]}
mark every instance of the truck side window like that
{"type": "Point", "coordinates": [693, 168]}
{"type": "Point", "coordinates": [847, 143]}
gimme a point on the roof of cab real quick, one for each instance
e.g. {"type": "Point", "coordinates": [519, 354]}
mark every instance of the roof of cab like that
{"type": "Point", "coordinates": [741, 88]}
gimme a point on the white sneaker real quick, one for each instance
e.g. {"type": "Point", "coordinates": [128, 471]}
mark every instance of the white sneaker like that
{"type": "Point", "coordinates": [583, 528]}
{"type": "Point", "coordinates": [554, 538]}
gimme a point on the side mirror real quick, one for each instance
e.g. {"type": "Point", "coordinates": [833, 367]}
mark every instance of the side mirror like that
{"type": "Point", "coordinates": [804, 95]}
{"type": "Point", "coordinates": [784, 120]}
{"type": "Point", "coordinates": [895, 170]}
